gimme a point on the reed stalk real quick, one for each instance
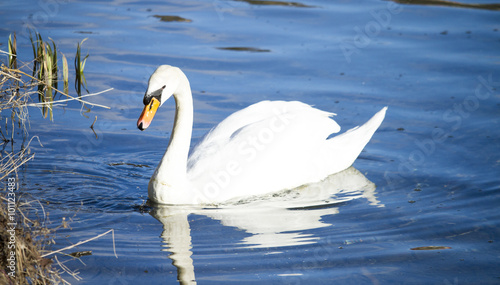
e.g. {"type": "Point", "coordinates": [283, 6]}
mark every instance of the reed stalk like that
{"type": "Point", "coordinates": [80, 80]}
{"type": "Point", "coordinates": [21, 85]}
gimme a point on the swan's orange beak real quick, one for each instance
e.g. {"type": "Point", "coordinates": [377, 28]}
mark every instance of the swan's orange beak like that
{"type": "Point", "coordinates": [147, 114]}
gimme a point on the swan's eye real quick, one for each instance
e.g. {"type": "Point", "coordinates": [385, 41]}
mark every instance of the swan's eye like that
{"type": "Point", "coordinates": [156, 94]}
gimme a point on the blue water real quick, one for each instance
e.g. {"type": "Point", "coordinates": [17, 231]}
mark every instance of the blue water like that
{"type": "Point", "coordinates": [429, 177]}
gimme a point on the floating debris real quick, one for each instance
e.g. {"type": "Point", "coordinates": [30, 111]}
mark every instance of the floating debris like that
{"type": "Point", "coordinates": [493, 6]}
{"type": "Point", "coordinates": [128, 164]}
{"type": "Point", "coordinates": [277, 3]}
{"type": "Point", "coordinates": [79, 254]}
{"type": "Point", "coordinates": [432, 247]}
{"type": "Point", "coordinates": [169, 18]}
{"type": "Point", "coordinates": [249, 49]}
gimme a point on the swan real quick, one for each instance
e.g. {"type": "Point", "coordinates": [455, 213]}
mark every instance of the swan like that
{"type": "Point", "coordinates": [264, 148]}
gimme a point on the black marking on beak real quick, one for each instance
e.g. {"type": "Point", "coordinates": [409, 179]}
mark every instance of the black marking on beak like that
{"type": "Point", "coordinates": [155, 94]}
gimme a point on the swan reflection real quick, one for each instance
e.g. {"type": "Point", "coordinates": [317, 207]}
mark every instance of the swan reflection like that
{"type": "Point", "coordinates": [278, 220]}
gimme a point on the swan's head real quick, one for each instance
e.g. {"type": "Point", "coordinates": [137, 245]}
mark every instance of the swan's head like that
{"type": "Point", "coordinates": [162, 85]}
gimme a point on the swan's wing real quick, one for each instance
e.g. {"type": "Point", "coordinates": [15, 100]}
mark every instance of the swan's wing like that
{"type": "Point", "coordinates": [262, 148]}
{"type": "Point", "coordinates": [260, 118]}
{"type": "Point", "coordinates": [346, 147]}
{"type": "Point", "coordinates": [264, 111]}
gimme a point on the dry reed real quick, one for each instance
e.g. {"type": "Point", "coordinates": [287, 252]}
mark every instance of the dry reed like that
{"type": "Point", "coordinates": [22, 85]}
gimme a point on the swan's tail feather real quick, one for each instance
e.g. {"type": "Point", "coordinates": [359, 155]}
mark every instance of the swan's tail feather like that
{"type": "Point", "coordinates": [346, 147]}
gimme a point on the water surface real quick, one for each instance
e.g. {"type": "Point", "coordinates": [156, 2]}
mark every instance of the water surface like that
{"type": "Point", "coordinates": [429, 176]}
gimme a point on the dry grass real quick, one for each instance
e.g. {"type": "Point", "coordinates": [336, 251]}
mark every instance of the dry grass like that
{"type": "Point", "coordinates": [16, 95]}
{"type": "Point", "coordinates": [22, 85]}
{"type": "Point", "coordinates": [33, 84]}
{"type": "Point", "coordinates": [31, 237]}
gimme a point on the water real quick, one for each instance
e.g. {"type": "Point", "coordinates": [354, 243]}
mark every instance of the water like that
{"type": "Point", "coordinates": [429, 177]}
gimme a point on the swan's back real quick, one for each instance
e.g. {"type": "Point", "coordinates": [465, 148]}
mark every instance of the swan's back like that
{"type": "Point", "coordinates": [272, 146]}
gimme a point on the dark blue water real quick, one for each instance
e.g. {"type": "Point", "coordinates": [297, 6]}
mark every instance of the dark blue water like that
{"type": "Point", "coordinates": [429, 177]}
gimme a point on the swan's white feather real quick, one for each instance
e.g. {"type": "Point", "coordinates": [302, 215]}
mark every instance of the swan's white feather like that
{"type": "Point", "coordinates": [264, 148]}
{"type": "Point", "coordinates": [271, 146]}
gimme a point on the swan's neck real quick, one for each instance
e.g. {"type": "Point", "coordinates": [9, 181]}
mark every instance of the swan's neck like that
{"type": "Point", "coordinates": [172, 167]}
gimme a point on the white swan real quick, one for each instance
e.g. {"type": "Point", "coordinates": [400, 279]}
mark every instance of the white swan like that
{"type": "Point", "coordinates": [266, 147]}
